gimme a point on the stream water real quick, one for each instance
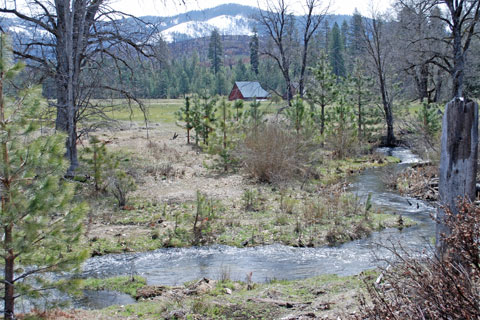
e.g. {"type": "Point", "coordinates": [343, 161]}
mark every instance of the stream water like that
{"type": "Point", "coordinates": [176, 266]}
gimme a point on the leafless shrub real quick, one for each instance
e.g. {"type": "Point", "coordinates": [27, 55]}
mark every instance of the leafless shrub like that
{"type": "Point", "coordinates": [272, 154]}
{"type": "Point", "coordinates": [420, 181]}
{"type": "Point", "coordinates": [433, 287]}
{"type": "Point", "coordinates": [162, 151]}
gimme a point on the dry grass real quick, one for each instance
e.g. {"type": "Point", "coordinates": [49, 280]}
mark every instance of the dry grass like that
{"type": "Point", "coordinates": [272, 154]}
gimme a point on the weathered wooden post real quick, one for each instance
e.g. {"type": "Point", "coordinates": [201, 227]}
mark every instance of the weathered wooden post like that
{"type": "Point", "coordinates": [458, 162]}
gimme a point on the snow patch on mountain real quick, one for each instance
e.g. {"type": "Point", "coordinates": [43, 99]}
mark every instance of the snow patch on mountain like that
{"type": "Point", "coordinates": [226, 25]}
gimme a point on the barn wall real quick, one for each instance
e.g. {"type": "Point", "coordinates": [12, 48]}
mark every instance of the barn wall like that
{"type": "Point", "coordinates": [235, 94]}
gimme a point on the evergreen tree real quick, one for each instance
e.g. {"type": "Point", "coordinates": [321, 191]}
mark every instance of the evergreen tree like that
{"type": "Point", "coordinates": [237, 105]}
{"type": "Point", "coordinates": [255, 115]}
{"type": "Point", "coordinates": [254, 52]}
{"type": "Point", "coordinates": [345, 35]}
{"type": "Point", "coordinates": [296, 113]}
{"type": "Point", "coordinates": [221, 84]}
{"type": "Point", "coordinates": [215, 51]}
{"type": "Point", "coordinates": [204, 117]}
{"type": "Point", "coordinates": [324, 90]}
{"type": "Point", "coordinates": [360, 94]}
{"type": "Point", "coordinates": [40, 228]}
{"type": "Point", "coordinates": [241, 72]}
{"type": "Point", "coordinates": [341, 129]}
{"type": "Point", "coordinates": [100, 164]}
{"type": "Point", "coordinates": [356, 46]}
{"type": "Point", "coordinates": [221, 140]}
{"type": "Point", "coordinates": [183, 83]}
{"type": "Point", "coordinates": [185, 115]}
{"type": "Point", "coordinates": [336, 51]}
{"type": "Point", "coordinates": [325, 43]}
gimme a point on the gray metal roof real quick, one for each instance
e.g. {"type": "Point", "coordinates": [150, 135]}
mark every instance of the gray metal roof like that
{"type": "Point", "coordinates": [251, 89]}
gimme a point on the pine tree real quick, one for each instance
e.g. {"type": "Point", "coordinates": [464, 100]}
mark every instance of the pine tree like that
{"type": "Point", "coordinates": [296, 113]}
{"type": "Point", "coordinates": [325, 43]}
{"type": "Point", "coordinates": [237, 105]}
{"type": "Point", "coordinates": [221, 83]}
{"type": "Point", "coordinates": [185, 115]}
{"type": "Point", "coordinates": [255, 115]}
{"type": "Point", "coordinates": [221, 140]}
{"type": "Point", "coordinates": [336, 51]}
{"type": "Point", "coordinates": [241, 72]}
{"type": "Point", "coordinates": [215, 51]}
{"type": "Point", "coordinates": [40, 228]}
{"type": "Point", "coordinates": [204, 117]}
{"type": "Point", "coordinates": [341, 129]}
{"type": "Point", "coordinates": [359, 94]}
{"type": "Point", "coordinates": [323, 91]}
{"type": "Point", "coordinates": [345, 36]}
{"type": "Point", "coordinates": [254, 52]}
{"type": "Point", "coordinates": [356, 45]}
{"type": "Point", "coordinates": [100, 164]}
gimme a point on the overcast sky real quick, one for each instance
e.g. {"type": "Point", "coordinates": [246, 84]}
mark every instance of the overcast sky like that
{"type": "Point", "coordinates": [173, 7]}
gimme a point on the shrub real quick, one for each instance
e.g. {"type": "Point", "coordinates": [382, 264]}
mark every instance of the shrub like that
{"type": "Point", "coordinates": [120, 185]}
{"type": "Point", "coordinates": [433, 287]}
{"type": "Point", "coordinates": [341, 130]}
{"type": "Point", "coordinates": [99, 162]}
{"type": "Point", "coordinates": [271, 154]}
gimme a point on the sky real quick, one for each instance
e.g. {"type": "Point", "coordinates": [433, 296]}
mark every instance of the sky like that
{"type": "Point", "coordinates": [173, 7]}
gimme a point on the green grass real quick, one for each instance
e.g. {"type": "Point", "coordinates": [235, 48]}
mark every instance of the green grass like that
{"type": "Point", "coordinates": [158, 110]}
{"type": "Point", "coordinates": [124, 284]}
{"type": "Point", "coordinates": [334, 170]}
{"type": "Point", "coordinates": [163, 110]}
{"type": "Point", "coordinates": [339, 292]}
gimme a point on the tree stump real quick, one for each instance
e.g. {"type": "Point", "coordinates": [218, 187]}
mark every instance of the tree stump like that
{"type": "Point", "coordinates": [458, 162]}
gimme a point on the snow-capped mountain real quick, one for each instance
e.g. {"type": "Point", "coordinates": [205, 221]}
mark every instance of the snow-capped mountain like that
{"type": "Point", "coordinates": [225, 24]}
{"type": "Point", "coordinates": [228, 19]}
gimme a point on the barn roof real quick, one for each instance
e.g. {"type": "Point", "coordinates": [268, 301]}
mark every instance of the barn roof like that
{"type": "Point", "coordinates": [251, 89]}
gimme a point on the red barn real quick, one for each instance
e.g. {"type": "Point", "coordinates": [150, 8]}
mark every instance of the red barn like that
{"type": "Point", "coordinates": [248, 90]}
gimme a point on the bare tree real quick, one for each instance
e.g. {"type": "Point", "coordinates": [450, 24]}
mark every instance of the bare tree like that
{"type": "Point", "coordinates": [77, 35]}
{"type": "Point", "coordinates": [379, 48]}
{"type": "Point", "coordinates": [417, 47]}
{"type": "Point", "coordinates": [312, 21]}
{"type": "Point", "coordinates": [461, 18]}
{"type": "Point", "coordinates": [280, 24]}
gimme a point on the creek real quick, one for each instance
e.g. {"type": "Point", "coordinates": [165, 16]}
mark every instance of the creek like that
{"type": "Point", "coordinates": [175, 266]}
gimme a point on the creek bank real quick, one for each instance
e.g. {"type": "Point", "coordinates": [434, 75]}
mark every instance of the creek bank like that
{"type": "Point", "coordinates": [325, 297]}
{"type": "Point", "coordinates": [176, 266]}
{"type": "Point", "coordinates": [314, 214]}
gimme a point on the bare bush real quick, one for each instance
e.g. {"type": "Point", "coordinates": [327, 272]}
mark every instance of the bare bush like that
{"type": "Point", "coordinates": [433, 287]}
{"type": "Point", "coordinates": [272, 154]}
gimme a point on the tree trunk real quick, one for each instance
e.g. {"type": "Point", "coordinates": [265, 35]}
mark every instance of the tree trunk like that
{"type": "Point", "coordinates": [67, 42]}
{"type": "Point", "coordinates": [390, 135]}
{"type": "Point", "coordinates": [458, 163]}
{"type": "Point", "coordinates": [322, 120]}
{"type": "Point", "coordinates": [458, 58]}
{"type": "Point", "coordinates": [9, 258]}
{"type": "Point", "coordinates": [9, 276]}
{"type": "Point", "coordinates": [387, 108]}
{"type": "Point", "coordinates": [359, 105]}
